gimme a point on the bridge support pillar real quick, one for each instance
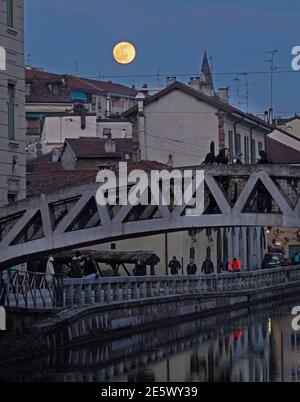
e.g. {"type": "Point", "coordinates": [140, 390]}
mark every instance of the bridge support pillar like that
{"type": "Point", "coordinates": [250, 250]}
{"type": "Point", "coordinates": [230, 244]}
{"type": "Point", "coordinates": [235, 242]}
{"type": "Point", "coordinates": [244, 248]}
{"type": "Point", "coordinates": [258, 247]}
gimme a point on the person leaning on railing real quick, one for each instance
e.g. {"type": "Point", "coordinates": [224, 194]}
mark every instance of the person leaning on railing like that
{"type": "Point", "coordinates": [235, 265]}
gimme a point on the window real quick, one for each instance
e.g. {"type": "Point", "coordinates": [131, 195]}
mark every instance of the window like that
{"type": "Point", "coordinates": [253, 151]}
{"type": "Point", "coordinates": [11, 111]}
{"type": "Point", "coordinates": [237, 139]}
{"type": "Point", "coordinates": [260, 146]}
{"type": "Point", "coordinates": [11, 198]}
{"type": "Point", "coordinates": [10, 13]}
{"type": "Point", "coordinates": [113, 103]}
{"type": "Point", "coordinates": [106, 133]}
{"type": "Point", "coordinates": [246, 149]}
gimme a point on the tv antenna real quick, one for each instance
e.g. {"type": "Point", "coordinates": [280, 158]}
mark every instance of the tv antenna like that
{"type": "Point", "coordinates": [271, 61]}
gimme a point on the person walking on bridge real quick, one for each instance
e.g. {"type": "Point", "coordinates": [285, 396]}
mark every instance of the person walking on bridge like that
{"type": "Point", "coordinates": [191, 268]}
{"type": "Point", "coordinates": [235, 265]}
{"type": "Point", "coordinates": [174, 266]}
{"type": "Point", "coordinates": [207, 266]}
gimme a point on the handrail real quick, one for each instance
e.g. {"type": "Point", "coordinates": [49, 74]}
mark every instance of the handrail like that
{"type": "Point", "coordinates": [33, 290]}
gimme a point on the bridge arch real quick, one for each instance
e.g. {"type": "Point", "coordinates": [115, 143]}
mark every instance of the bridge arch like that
{"type": "Point", "coordinates": [70, 219]}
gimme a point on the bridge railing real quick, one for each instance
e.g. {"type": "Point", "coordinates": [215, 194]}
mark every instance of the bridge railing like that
{"type": "Point", "coordinates": [31, 290]}
{"type": "Point", "coordinates": [41, 291]}
{"type": "Point", "coordinates": [119, 289]}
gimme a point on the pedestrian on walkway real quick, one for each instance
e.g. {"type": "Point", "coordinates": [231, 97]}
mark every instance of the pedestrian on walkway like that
{"type": "Point", "coordinates": [174, 266]}
{"type": "Point", "coordinates": [50, 271]}
{"type": "Point", "coordinates": [235, 265]}
{"type": "Point", "coordinates": [224, 265]}
{"type": "Point", "coordinates": [76, 271]}
{"type": "Point", "coordinates": [207, 266]}
{"type": "Point", "coordinates": [140, 268]}
{"type": "Point", "coordinates": [191, 268]}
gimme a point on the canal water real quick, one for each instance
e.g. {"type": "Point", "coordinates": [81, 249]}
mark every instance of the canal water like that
{"type": "Point", "coordinates": [241, 346]}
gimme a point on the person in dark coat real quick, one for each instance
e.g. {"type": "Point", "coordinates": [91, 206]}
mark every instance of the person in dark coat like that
{"type": "Point", "coordinates": [191, 268]}
{"type": "Point", "coordinates": [224, 265]}
{"type": "Point", "coordinates": [224, 156]}
{"type": "Point", "coordinates": [76, 268]}
{"type": "Point", "coordinates": [174, 266]}
{"type": "Point", "coordinates": [140, 268]}
{"type": "Point", "coordinates": [90, 268]}
{"type": "Point", "coordinates": [207, 266]}
{"type": "Point", "coordinates": [263, 158]}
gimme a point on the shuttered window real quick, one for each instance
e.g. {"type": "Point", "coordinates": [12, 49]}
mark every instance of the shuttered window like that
{"type": "Point", "coordinates": [10, 13]}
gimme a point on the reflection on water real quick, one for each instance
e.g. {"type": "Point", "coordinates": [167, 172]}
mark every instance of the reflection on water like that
{"type": "Point", "coordinates": [240, 346]}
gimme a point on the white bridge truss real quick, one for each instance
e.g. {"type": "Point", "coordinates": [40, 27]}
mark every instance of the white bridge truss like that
{"type": "Point", "coordinates": [235, 196]}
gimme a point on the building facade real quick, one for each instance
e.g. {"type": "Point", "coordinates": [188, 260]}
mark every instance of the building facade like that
{"type": "Point", "coordinates": [12, 103]}
{"type": "Point", "coordinates": [48, 94]}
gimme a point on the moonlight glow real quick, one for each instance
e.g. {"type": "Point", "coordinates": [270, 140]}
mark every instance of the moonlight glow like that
{"type": "Point", "coordinates": [124, 53]}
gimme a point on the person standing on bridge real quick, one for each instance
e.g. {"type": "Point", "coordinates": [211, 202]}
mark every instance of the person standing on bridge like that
{"type": "Point", "coordinates": [207, 266]}
{"type": "Point", "coordinates": [224, 266]}
{"type": "Point", "coordinates": [140, 268]}
{"type": "Point", "coordinates": [174, 266]}
{"type": "Point", "coordinates": [50, 271]}
{"type": "Point", "coordinates": [191, 268]}
{"type": "Point", "coordinates": [76, 267]}
{"type": "Point", "coordinates": [235, 265]}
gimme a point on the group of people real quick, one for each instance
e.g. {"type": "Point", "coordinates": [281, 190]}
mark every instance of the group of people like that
{"type": "Point", "coordinates": [81, 266]}
{"type": "Point", "coordinates": [207, 267]}
{"type": "Point", "coordinates": [223, 157]}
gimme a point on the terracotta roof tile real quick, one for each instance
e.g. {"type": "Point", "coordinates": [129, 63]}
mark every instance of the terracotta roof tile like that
{"type": "Point", "coordinates": [281, 153]}
{"type": "Point", "coordinates": [49, 182]}
{"type": "Point", "coordinates": [95, 147]}
{"type": "Point", "coordinates": [83, 84]}
{"type": "Point", "coordinates": [42, 164]}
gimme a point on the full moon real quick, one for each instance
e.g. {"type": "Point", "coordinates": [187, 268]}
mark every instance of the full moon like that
{"type": "Point", "coordinates": [124, 53]}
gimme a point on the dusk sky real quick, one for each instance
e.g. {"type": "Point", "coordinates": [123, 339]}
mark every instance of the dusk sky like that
{"type": "Point", "coordinates": [170, 36]}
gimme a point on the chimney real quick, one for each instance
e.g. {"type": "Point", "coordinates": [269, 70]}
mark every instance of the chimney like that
{"type": "Point", "coordinates": [108, 110]}
{"type": "Point", "coordinates": [109, 146]}
{"type": "Point", "coordinates": [145, 89]}
{"type": "Point", "coordinates": [224, 94]}
{"type": "Point", "coordinates": [271, 116]}
{"type": "Point", "coordinates": [266, 116]}
{"type": "Point", "coordinates": [170, 80]}
{"type": "Point", "coordinates": [195, 83]}
{"type": "Point", "coordinates": [140, 101]}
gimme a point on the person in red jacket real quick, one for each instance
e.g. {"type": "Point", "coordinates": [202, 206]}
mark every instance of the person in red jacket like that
{"type": "Point", "coordinates": [235, 265]}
